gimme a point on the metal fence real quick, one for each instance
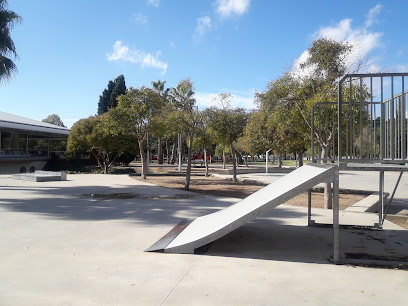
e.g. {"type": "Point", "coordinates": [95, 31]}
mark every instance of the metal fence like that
{"type": "Point", "coordinates": [367, 124]}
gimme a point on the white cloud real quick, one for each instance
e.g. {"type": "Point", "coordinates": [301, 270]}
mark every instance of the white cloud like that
{"type": "Point", "coordinates": [239, 99]}
{"type": "Point", "coordinates": [172, 44]}
{"type": "Point", "coordinates": [154, 3]}
{"type": "Point", "coordinates": [372, 15]}
{"type": "Point", "coordinates": [227, 8]}
{"type": "Point", "coordinates": [361, 38]}
{"type": "Point", "coordinates": [203, 26]}
{"type": "Point", "coordinates": [123, 53]}
{"type": "Point", "coordinates": [139, 18]}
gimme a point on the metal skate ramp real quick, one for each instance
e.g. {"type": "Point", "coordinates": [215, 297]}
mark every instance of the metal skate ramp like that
{"type": "Point", "coordinates": [192, 234]}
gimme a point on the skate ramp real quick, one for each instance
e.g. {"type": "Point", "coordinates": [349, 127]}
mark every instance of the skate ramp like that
{"type": "Point", "coordinates": [189, 235]}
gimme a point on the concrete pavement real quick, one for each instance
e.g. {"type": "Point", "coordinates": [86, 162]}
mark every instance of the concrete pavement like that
{"type": "Point", "coordinates": [82, 242]}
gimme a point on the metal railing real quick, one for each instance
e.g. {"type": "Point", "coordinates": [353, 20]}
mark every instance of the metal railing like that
{"type": "Point", "coordinates": [368, 124]}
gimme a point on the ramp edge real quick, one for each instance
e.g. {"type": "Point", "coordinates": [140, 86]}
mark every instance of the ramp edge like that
{"type": "Point", "coordinates": [164, 241]}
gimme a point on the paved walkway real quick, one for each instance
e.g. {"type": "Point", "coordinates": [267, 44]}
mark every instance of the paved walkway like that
{"type": "Point", "coordinates": [82, 242]}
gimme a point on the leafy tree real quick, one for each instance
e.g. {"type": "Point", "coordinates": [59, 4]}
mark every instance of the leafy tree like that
{"type": "Point", "coordinates": [119, 88]}
{"type": "Point", "coordinates": [228, 124]}
{"type": "Point", "coordinates": [109, 96]}
{"type": "Point", "coordinates": [135, 112]}
{"type": "Point", "coordinates": [292, 96]}
{"type": "Point", "coordinates": [281, 106]}
{"type": "Point", "coordinates": [204, 139]}
{"type": "Point", "coordinates": [158, 87]}
{"type": "Point", "coordinates": [7, 48]}
{"type": "Point", "coordinates": [54, 119]}
{"type": "Point", "coordinates": [188, 117]}
{"type": "Point", "coordinates": [101, 136]}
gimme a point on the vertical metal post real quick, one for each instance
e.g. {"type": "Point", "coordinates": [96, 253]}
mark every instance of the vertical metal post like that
{"type": "Point", "coordinates": [381, 200]}
{"type": "Point", "coordinates": [339, 129]}
{"type": "Point", "coordinates": [351, 119]}
{"type": "Point", "coordinates": [313, 132]}
{"type": "Point", "coordinates": [267, 159]}
{"type": "Point", "coordinates": [392, 131]}
{"type": "Point", "coordinates": [336, 217]}
{"type": "Point", "coordinates": [361, 117]}
{"type": "Point", "coordinates": [334, 132]}
{"type": "Point", "coordinates": [403, 127]}
{"type": "Point", "coordinates": [309, 207]}
{"type": "Point", "coordinates": [148, 155]}
{"type": "Point", "coordinates": [179, 149]}
{"type": "Point", "coordinates": [382, 124]}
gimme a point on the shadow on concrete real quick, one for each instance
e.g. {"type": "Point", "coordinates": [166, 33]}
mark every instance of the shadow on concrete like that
{"type": "Point", "coordinates": [268, 240]}
{"type": "Point", "coordinates": [151, 205]}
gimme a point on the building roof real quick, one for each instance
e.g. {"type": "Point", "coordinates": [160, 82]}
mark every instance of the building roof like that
{"type": "Point", "coordinates": [10, 121]}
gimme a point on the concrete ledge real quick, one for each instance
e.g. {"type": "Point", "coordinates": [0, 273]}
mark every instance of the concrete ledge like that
{"type": "Point", "coordinates": [368, 204]}
{"type": "Point", "coordinates": [41, 176]}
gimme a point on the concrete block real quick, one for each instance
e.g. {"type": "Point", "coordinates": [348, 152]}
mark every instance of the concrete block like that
{"type": "Point", "coordinates": [368, 204]}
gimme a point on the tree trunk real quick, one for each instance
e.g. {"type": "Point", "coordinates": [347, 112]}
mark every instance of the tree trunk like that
{"type": "Point", "coordinates": [223, 158]}
{"type": "Point", "coordinates": [328, 193]}
{"type": "Point", "coordinates": [106, 168]}
{"type": "Point", "coordinates": [167, 151]}
{"type": "Point", "coordinates": [206, 163]}
{"type": "Point", "coordinates": [234, 165]}
{"type": "Point", "coordinates": [143, 160]}
{"type": "Point", "coordinates": [189, 153]}
{"type": "Point", "coordinates": [173, 150]}
{"type": "Point", "coordinates": [300, 157]}
{"type": "Point", "coordinates": [280, 160]}
{"type": "Point", "coordinates": [159, 152]}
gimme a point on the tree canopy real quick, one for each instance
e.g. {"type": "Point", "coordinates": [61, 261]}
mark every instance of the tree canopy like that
{"type": "Point", "coordinates": [7, 48]}
{"type": "Point", "coordinates": [188, 117]}
{"type": "Point", "coordinates": [108, 99]}
{"type": "Point", "coordinates": [54, 119]}
{"type": "Point", "coordinates": [227, 123]}
{"type": "Point", "coordinates": [136, 111]}
{"type": "Point", "coordinates": [101, 136]}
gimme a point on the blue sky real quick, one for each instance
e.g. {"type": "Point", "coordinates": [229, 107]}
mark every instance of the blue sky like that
{"type": "Point", "coordinates": [69, 50]}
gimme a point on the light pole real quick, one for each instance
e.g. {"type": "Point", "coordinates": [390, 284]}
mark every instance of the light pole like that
{"type": "Point", "coordinates": [267, 157]}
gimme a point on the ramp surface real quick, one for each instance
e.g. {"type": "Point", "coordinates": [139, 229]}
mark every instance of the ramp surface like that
{"type": "Point", "coordinates": [206, 229]}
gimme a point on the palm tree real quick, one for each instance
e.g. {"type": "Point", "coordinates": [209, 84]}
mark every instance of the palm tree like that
{"type": "Point", "coordinates": [7, 48]}
{"type": "Point", "coordinates": [189, 117]}
{"type": "Point", "coordinates": [158, 87]}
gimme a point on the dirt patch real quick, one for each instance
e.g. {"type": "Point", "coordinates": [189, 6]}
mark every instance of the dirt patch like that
{"type": "Point", "coordinates": [398, 220]}
{"type": "Point", "coordinates": [227, 188]}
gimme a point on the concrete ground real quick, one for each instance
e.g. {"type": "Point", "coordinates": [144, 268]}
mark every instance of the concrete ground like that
{"type": "Point", "coordinates": [82, 242]}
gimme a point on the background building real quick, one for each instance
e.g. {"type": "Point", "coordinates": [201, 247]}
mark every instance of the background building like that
{"type": "Point", "coordinates": [26, 145]}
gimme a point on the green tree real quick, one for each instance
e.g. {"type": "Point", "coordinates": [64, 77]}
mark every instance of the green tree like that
{"type": "Point", "coordinates": [204, 139]}
{"type": "Point", "coordinates": [159, 88]}
{"type": "Point", "coordinates": [119, 88]}
{"type": "Point", "coordinates": [316, 81]}
{"type": "Point", "coordinates": [7, 48]}
{"type": "Point", "coordinates": [188, 117]}
{"type": "Point", "coordinates": [228, 124]}
{"type": "Point", "coordinates": [101, 136]}
{"type": "Point", "coordinates": [54, 119]}
{"type": "Point", "coordinates": [281, 100]}
{"type": "Point", "coordinates": [136, 112]}
{"type": "Point", "coordinates": [109, 96]}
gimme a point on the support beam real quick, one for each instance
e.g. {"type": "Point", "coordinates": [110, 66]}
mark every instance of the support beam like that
{"type": "Point", "coordinates": [336, 217]}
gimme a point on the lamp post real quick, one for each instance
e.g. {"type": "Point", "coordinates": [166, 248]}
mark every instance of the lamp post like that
{"type": "Point", "coordinates": [266, 163]}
